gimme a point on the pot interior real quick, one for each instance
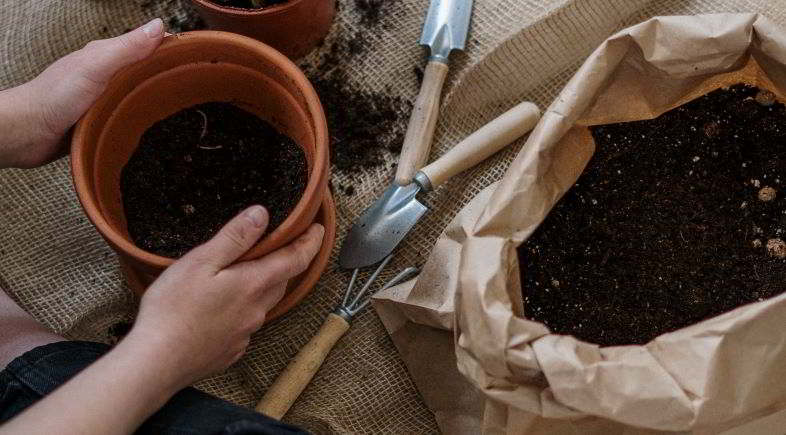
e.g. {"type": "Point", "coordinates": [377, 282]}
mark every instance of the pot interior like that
{"type": "Point", "coordinates": [176, 77]}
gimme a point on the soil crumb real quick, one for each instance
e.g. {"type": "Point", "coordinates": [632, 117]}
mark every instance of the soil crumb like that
{"type": "Point", "coordinates": [665, 226]}
{"type": "Point", "coordinates": [119, 330]}
{"type": "Point", "coordinates": [371, 10]}
{"type": "Point", "coordinates": [179, 15]}
{"type": "Point", "coordinates": [198, 168]}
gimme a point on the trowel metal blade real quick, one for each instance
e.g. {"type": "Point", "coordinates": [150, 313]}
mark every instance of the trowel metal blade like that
{"type": "Point", "coordinates": [381, 227]}
{"type": "Point", "coordinates": [446, 26]}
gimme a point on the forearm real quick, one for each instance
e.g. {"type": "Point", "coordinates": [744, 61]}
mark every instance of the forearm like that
{"type": "Point", "coordinates": [113, 395]}
{"type": "Point", "coordinates": [17, 127]}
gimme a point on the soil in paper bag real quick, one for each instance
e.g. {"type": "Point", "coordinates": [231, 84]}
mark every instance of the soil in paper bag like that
{"type": "Point", "coordinates": [674, 220]}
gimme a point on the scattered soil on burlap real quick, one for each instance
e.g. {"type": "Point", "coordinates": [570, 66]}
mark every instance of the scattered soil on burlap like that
{"type": "Point", "coordinates": [668, 225]}
{"type": "Point", "coordinates": [179, 15]}
{"type": "Point", "coordinates": [190, 20]}
{"type": "Point", "coordinates": [364, 124]}
{"type": "Point", "coordinates": [418, 74]}
{"type": "Point", "coordinates": [195, 170]}
{"type": "Point", "coordinates": [119, 330]}
{"type": "Point", "coordinates": [248, 4]}
{"type": "Point", "coordinates": [371, 10]}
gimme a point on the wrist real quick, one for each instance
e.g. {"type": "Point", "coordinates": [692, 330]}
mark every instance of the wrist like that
{"type": "Point", "coordinates": [155, 358]}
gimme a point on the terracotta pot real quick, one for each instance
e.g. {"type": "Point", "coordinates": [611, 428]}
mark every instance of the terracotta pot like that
{"type": "Point", "coordinates": [189, 69]}
{"type": "Point", "coordinates": [294, 27]}
{"type": "Point", "coordinates": [297, 288]}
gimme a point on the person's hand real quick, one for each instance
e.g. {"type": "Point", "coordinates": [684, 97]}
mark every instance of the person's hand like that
{"type": "Point", "coordinates": [35, 116]}
{"type": "Point", "coordinates": [196, 319]}
{"type": "Point", "coordinates": [202, 310]}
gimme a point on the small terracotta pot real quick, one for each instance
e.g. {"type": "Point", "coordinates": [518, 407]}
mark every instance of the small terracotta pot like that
{"type": "Point", "coordinates": [294, 27]}
{"type": "Point", "coordinates": [189, 69]}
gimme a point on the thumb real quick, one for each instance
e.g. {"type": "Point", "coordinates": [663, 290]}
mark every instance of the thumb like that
{"type": "Point", "coordinates": [234, 239]}
{"type": "Point", "coordinates": [101, 59]}
{"type": "Point", "coordinates": [63, 92]}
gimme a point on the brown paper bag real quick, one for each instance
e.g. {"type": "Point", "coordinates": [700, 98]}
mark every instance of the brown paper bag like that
{"type": "Point", "coordinates": [708, 377]}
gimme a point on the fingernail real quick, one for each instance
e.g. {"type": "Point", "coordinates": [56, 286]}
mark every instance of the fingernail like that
{"type": "Point", "coordinates": [256, 215]}
{"type": "Point", "coordinates": [153, 29]}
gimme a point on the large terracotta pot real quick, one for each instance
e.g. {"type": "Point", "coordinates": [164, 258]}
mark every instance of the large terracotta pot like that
{"type": "Point", "coordinates": [294, 27]}
{"type": "Point", "coordinates": [189, 69]}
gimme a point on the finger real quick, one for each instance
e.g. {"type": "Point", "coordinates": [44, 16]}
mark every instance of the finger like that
{"type": "Point", "coordinates": [269, 298]}
{"type": "Point", "coordinates": [272, 296]}
{"type": "Point", "coordinates": [65, 90]}
{"type": "Point", "coordinates": [240, 352]}
{"type": "Point", "coordinates": [289, 261]}
{"type": "Point", "coordinates": [107, 56]}
{"type": "Point", "coordinates": [233, 240]}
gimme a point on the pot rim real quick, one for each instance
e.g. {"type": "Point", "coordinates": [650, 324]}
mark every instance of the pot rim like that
{"type": "Point", "coordinates": [317, 179]}
{"type": "Point", "coordinates": [307, 280]}
{"type": "Point", "coordinates": [248, 13]}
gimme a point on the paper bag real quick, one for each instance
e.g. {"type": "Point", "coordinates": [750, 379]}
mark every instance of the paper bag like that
{"type": "Point", "coordinates": [708, 377]}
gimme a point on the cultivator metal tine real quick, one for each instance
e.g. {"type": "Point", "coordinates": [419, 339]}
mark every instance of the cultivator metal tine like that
{"type": "Point", "coordinates": [348, 309]}
{"type": "Point", "coordinates": [398, 279]}
{"type": "Point", "coordinates": [370, 281]}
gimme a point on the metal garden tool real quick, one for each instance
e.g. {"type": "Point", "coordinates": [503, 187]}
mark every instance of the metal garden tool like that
{"type": "Point", "coordinates": [294, 379]}
{"type": "Point", "coordinates": [383, 225]}
{"type": "Point", "coordinates": [373, 238]}
{"type": "Point", "coordinates": [445, 30]}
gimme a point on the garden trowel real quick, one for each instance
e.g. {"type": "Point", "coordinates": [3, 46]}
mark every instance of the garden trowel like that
{"type": "Point", "coordinates": [445, 30]}
{"type": "Point", "coordinates": [383, 225]}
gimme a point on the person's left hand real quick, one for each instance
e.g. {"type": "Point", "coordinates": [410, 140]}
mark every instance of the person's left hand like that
{"type": "Point", "coordinates": [35, 116]}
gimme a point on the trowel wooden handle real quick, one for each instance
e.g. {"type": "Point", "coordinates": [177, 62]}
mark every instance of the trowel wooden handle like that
{"type": "Point", "coordinates": [422, 122]}
{"type": "Point", "coordinates": [294, 379]}
{"type": "Point", "coordinates": [483, 143]}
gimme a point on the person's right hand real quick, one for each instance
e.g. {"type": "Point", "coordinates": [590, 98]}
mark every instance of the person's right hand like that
{"type": "Point", "coordinates": [200, 313]}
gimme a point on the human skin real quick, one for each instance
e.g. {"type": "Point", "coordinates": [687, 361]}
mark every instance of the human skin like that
{"type": "Point", "coordinates": [196, 319]}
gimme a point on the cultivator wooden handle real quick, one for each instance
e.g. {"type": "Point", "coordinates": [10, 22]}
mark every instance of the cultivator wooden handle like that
{"type": "Point", "coordinates": [422, 122]}
{"type": "Point", "coordinates": [294, 379]}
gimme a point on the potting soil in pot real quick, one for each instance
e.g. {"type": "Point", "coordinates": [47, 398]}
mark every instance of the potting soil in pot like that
{"type": "Point", "coordinates": [674, 220]}
{"type": "Point", "coordinates": [198, 168]}
{"type": "Point", "coordinates": [248, 4]}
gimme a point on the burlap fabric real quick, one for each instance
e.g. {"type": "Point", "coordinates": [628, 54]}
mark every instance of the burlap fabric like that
{"type": "Point", "coordinates": [53, 262]}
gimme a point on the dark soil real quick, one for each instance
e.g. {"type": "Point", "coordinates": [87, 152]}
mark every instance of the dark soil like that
{"type": "Point", "coordinates": [119, 330]}
{"type": "Point", "coordinates": [249, 4]}
{"type": "Point", "coordinates": [179, 15]}
{"type": "Point", "coordinates": [371, 10]}
{"type": "Point", "coordinates": [364, 124]}
{"type": "Point", "coordinates": [418, 74]}
{"type": "Point", "coordinates": [189, 21]}
{"type": "Point", "coordinates": [195, 170]}
{"type": "Point", "coordinates": [672, 222]}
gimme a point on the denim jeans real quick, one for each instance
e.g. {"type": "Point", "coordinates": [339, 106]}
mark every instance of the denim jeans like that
{"type": "Point", "coordinates": [38, 372]}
